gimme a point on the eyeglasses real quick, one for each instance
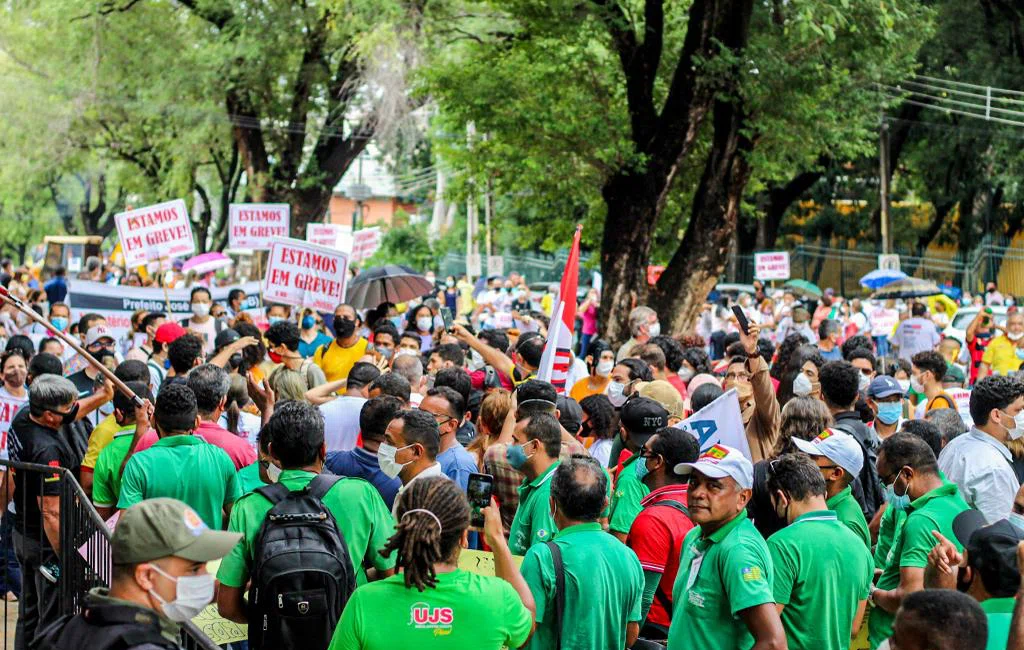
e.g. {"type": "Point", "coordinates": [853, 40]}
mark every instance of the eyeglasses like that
{"type": "Point", "coordinates": [827, 466]}
{"type": "Point", "coordinates": [866, 371]}
{"type": "Point", "coordinates": [738, 376]}
{"type": "Point", "coordinates": [647, 453]}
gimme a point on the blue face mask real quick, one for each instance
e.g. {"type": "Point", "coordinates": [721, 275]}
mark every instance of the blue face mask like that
{"type": "Point", "coordinates": [897, 502]}
{"type": "Point", "coordinates": [274, 319]}
{"type": "Point", "coordinates": [641, 469]}
{"type": "Point", "coordinates": [890, 412]}
{"type": "Point", "coordinates": [167, 364]}
{"type": "Point", "coordinates": [308, 322]}
{"type": "Point", "coordinates": [60, 323]}
{"type": "Point", "coordinates": [516, 456]}
{"type": "Point", "coordinates": [1017, 521]}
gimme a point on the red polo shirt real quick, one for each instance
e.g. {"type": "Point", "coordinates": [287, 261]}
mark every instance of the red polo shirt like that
{"type": "Point", "coordinates": [657, 539]}
{"type": "Point", "coordinates": [237, 447]}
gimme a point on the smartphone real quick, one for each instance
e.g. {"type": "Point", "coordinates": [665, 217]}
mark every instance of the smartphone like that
{"type": "Point", "coordinates": [741, 318]}
{"type": "Point", "coordinates": [479, 490]}
{"type": "Point", "coordinates": [446, 316]}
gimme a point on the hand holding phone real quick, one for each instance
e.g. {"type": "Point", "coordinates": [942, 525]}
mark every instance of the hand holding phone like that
{"type": "Point", "coordinates": [741, 318]}
{"type": "Point", "coordinates": [479, 490]}
{"type": "Point", "coordinates": [446, 316]}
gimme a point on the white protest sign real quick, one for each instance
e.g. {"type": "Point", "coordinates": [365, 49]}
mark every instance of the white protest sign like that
{"type": "Point", "coordinates": [883, 321]}
{"type": "Point", "coordinates": [160, 231]}
{"type": "Point", "coordinates": [718, 423]}
{"type": "Point", "coordinates": [254, 225]}
{"type": "Point", "coordinates": [772, 265]}
{"type": "Point", "coordinates": [365, 243]}
{"type": "Point", "coordinates": [331, 235]}
{"type": "Point", "coordinates": [305, 275]}
{"type": "Point", "coordinates": [8, 407]}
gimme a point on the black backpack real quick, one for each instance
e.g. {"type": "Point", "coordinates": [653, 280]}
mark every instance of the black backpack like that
{"type": "Point", "coordinates": [105, 627]}
{"type": "Point", "coordinates": [302, 573]}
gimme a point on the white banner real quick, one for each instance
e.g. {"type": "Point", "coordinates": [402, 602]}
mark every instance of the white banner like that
{"type": "Point", "coordinates": [331, 235]}
{"type": "Point", "coordinates": [773, 265]}
{"type": "Point", "coordinates": [255, 225]}
{"type": "Point", "coordinates": [305, 275]}
{"type": "Point", "coordinates": [8, 407]}
{"type": "Point", "coordinates": [720, 422]}
{"type": "Point", "coordinates": [116, 304]}
{"type": "Point", "coordinates": [365, 243]}
{"type": "Point", "coordinates": [161, 231]}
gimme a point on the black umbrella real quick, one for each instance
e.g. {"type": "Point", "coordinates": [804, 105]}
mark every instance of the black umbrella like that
{"type": "Point", "coordinates": [390, 283]}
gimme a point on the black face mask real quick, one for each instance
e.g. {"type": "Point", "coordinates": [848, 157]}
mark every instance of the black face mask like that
{"type": "Point", "coordinates": [69, 417]}
{"type": "Point", "coordinates": [344, 327]}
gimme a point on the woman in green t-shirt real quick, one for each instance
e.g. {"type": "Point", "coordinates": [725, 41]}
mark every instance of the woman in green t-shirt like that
{"type": "Point", "coordinates": [433, 603]}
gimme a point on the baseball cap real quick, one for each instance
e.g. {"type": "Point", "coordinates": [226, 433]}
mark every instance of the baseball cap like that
{"type": "Point", "coordinates": [162, 527]}
{"type": "Point", "coordinates": [663, 393]}
{"type": "Point", "coordinates": [884, 386]}
{"type": "Point", "coordinates": [225, 337]}
{"type": "Point", "coordinates": [839, 447]}
{"type": "Point", "coordinates": [991, 550]}
{"type": "Point", "coordinates": [720, 461]}
{"type": "Point", "coordinates": [96, 333]}
{"type": "Point", "coordinates": [642, 417]}
{"type": "Point", "coordinates": [954, 375]}
{"type": "Point", "coordinates": [168, 333]}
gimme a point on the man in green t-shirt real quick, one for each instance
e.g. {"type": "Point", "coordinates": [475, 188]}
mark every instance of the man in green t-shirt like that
{"type": "Point", "coordinates": [639, 419]}
{"type": "Point", "coordinates": [986, 570]}
{"type": "Point", "coordinates": [907, 464]}
{"type": "Point", "coordinates": [537, 441]}
{"type": "Point", "coordinates": [723, 597]}
{"type": "Point", "coordinates": [822, 576]}
{"type": "Point", "coordinates": [840, 458]}
{"type": "Point", "coordinates": [295, 442]}
{"type": "Point", "coordinates": [106, 484]}
{"type": "Point", "coordinates": [603, 579]}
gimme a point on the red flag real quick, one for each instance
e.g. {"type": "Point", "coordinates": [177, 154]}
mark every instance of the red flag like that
{"type": "Point", "coordinates": [570, 282]}
{"type": "Point", "coordinates": [554, 365]}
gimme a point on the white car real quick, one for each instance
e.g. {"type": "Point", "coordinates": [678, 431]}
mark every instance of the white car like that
{"type": "Point", "coordinates": [958, 328]}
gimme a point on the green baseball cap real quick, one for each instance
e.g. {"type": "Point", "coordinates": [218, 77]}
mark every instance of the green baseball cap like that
{"type": "Point", "coordinates": [157, 528]}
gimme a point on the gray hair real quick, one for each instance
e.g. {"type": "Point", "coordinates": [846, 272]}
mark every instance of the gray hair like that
{"type": "Point", "coordinates": [948, 421]}
{"type": "Point", "coordinates": [638, 318]}
{"type": "Point", "coordinates": [579, 487]}
{"type": "Point", "coordinates": [210, 384]}
{"type": "Point", "coordinates": [50, 392]}
{"type": "Point", "coordinates": [410, 367]}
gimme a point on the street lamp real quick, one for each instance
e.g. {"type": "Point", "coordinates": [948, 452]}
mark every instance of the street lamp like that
{"type": "Point", "coordinates": [358, 192]}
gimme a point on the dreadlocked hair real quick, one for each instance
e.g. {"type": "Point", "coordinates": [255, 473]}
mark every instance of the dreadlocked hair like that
{"type": "Point", "coordinates": [422, 541]}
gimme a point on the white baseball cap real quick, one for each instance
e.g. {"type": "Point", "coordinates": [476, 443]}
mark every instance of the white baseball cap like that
{"type": "Point", "coordinates": [720, 461]}
{"type": "Point", "coordinates": [97, 332]}
{"type": "Point", "coordinates": [839, 447]}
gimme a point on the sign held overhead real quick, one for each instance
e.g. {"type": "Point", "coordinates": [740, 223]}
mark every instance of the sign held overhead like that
{"type": "Point", "coordinates": [156, 232]}
{"type": "Point", "coordinates": [305, 275]}
{"type": "Point", "coordinates": [255, 225]}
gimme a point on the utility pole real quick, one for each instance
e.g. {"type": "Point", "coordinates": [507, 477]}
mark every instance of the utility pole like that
{"type": "Point", "coordinates": [883, 165]}
{"type": "Point", "coordinates": [472, 227]}
{"type": "Point", "coordinates": [488, 212]}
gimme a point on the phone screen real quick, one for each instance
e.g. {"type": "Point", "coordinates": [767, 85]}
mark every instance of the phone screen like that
{"type": "Point", "coordinates": [446, 316]}
{"type": "Point", "coordinates": [479, 490]}
{"type": "Point", "coordinates": [741, 318]}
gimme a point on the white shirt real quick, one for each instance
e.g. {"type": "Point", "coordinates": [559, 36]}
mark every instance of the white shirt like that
{"type": "Point", "coordinates": [433, 470]}
{"type": "Point", "coordinates": [341, 422]}
{"type": "Point", "coordinates": [980, 466]}
{"type": "Point", "coordinates": [248, 425]}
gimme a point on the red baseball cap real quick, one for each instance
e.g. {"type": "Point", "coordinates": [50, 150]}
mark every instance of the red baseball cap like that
{"type": "Point", "coordinates": [168, 333]}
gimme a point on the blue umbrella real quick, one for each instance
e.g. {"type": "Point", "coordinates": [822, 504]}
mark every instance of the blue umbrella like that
{"type": "Point", "coordinates": [881, 277]}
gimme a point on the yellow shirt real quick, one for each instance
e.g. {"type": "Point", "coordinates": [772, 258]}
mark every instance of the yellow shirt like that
{"type": "Point", "coordinates": [582, 389]}
{"type": "Point", "coordinates": [336, 361]}
{"type": "Point", "coordinates": [100, 437]}
{"type": "Point", "coordinates": [1001, 356]}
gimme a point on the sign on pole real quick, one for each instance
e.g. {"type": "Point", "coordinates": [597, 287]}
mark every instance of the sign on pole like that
{"type": "Point", "coordinates": [305, 275]}
{"type": "Point", "coordinates": [254, 225]}
{"type": "Point", "coordinates": [889, 262]}
{"type": "Point", "coordinates": [473, 265]}
{"type": "Point", "coordinates": [365, 243]}
{"type": "Point", "coordinates": [495, 265]}
{"type": "Point", "coordinates": [771, 265]}
{"type": "Point", "coordinates": [160, 231]}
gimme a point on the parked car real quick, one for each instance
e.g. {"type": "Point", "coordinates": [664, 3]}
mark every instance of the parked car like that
{"type": "Point", "coordinates": [958, 328]}
{"type": "Point", "coordinates": [733, 290]}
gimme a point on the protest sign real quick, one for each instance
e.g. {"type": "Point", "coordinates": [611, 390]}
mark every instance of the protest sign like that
{"type": "Point", "coordinates": [161, 231]}
{"type": "Point", "coordinates": [481, 563]}
{"type": "Point", "coordinates": [8, 407]}
{"type": "Point", "coordinates": [365, 243]}
{"type": "Point", "coordinates": [255, 225]}
{"type": "Point", "coordinates": [219, 629]}
{"type": "Point", "coordinates": [717, 423]}
{"type": "Point", "coordinates": [117, 306]}
{"type": "Point", "coordinates": [305, 275]}
{"type": "Point", "coordinates": [331, 235]}
{"type": "Point", "coordinates": [773, 265]}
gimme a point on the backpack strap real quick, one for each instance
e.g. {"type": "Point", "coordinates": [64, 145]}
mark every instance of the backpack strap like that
{"type": "Point", "coordinates": [664, 601]}
{"type": "Point", "coordinates": [275, 493]}
{"type": "Point", "coordinates": [675, 505]}
{"type": "Point", "coordinates": [322, 484]}
{"type": "Point", "coordinates": [556, 560]}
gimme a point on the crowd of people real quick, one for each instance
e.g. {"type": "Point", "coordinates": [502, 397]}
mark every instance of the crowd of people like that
{"type": "Point", "coordinates": [331, 461]}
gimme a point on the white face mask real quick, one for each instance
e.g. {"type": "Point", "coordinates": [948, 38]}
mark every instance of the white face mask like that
{"type": "Point", "coordinates": [904, 384]}
{"type": "Point", "coordinates": [406, 352]}
{"type": "Point", "coordinates": [686, 374]}
{"type": "Point", "coordinates": [476, 362]}
{"type": "Point", "coordinates": [191, 595]}
{"type": "Point", "coordinates": [616, 394]}
{"type": "Point", "coordinates": [1017, 431]}
{"type": "Point", "coordinates": [201, 309]}
{"type": "Point", "coordinates": [863, 382]}
{"type": "Point", "coordinates": [654, 330]}
{"type": "Point", "coordinates": [386, 459]}
{"type": "Point", "coordinates": [802, 385]}
{"type": "Point", "coordinates": [1014, 336]}
{"type": "Point", "coordinates": [916, 385]}
{"type": "Point", "coordinates": [423, 323]}
{"type": "Point", "coordinates": [273, 472]}
{"type": "Point", "coordinates": [604, 368]}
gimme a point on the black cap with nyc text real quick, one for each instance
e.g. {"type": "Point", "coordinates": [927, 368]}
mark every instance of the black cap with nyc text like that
{"type": "Point", "coordinates": [641, 417]}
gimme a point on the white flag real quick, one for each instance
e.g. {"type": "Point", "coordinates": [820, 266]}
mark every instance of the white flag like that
{"type": "Point", "coordinates": [720, 422]}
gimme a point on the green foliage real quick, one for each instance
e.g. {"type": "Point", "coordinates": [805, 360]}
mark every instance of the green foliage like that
{"type": "Point", "coordinates": [404, 244]}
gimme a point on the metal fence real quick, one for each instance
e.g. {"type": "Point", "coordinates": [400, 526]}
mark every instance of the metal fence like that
{"type": "Point", "coordinates": [82, 562]}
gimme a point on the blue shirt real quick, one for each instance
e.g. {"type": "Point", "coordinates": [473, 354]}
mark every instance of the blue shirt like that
{"type": "Point", "coordinates": [835, 354]}
{"type": "Point", "coordinates": [306, 350]}
{"type": "Point", "coordinates": [457, 464]}
{"type": "Point", "coordinates": [359, 463]}
{"type": "Point", "coordinates": [56, 289]}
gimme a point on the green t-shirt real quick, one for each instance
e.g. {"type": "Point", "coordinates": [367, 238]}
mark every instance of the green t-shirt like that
{"type": "Point", "coordinates": [185, 468]}
{"type": "Point", "coordinates": [625, 501]}
{"type": "Point", "coordinates": [719, 576]}
{"type": "Point", "coordinates": [249, 478]}
{"type": "Point", "coordinates": [889, 527]}
{"type": "Point", "coordinates": [999, 612]}
{"type": "Point", "coordinates": [821, 576]}
{"type": "Point", "coordinates": [934, 510]}
{"type": "Point", "coordinates": [106, 478]}
{"type": "Point", "coordinates": [533, 522]}
{"type": "Point", "coordinates": [604, 585]}
{"type": "Point", "coordinates": [362, 517]}
{"type": "Point", "coordinates": [848, 511]}
{"type": "Point", "coordinates": [462, 611]}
